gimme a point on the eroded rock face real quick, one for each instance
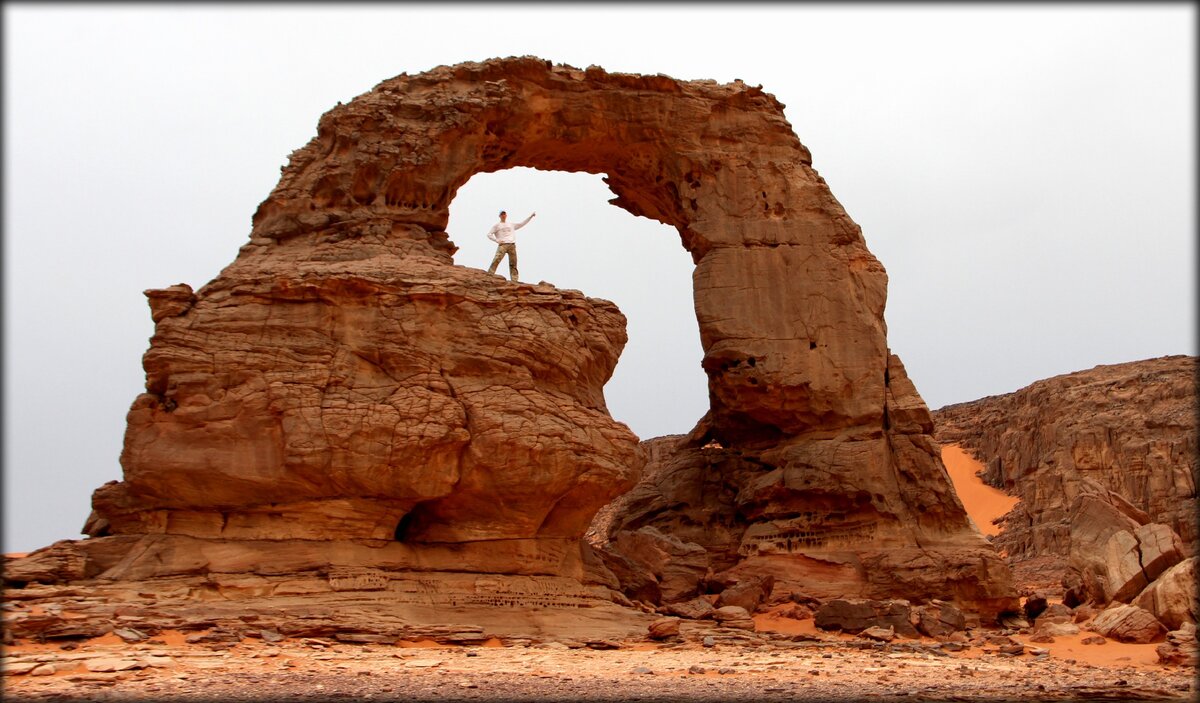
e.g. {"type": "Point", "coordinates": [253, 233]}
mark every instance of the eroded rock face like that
{"type": "Point", "coordinates": [1125, 433]}
{"type": "Point", "coordinates": [866, 514]}
{"type": "Point", "coordinates": [1129, 623]}
{"type": "Point", "coordinates": [1105, 464]}
{"type": "Point", "coordinates": [343, 396]}
{"type": "Point", "coordinates": [333, 398]}
{"type": "Point", "coordinates": [1172, 597]}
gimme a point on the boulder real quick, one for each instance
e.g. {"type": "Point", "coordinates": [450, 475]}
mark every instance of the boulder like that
{"type": "Point", "coordinates": [1129, 623]}
{"type": "Point", "coordinates": [1074, 592]}
{"type": "Point", "coordinates": [678, 567]}
{"type": "Point", "coordinates": [1160, 549]}
{"type": "Point", "coordinates": [1034, 605]}
{"type": "Point", "coordinates": [856, 615]}
{"type": "Point", "coordinates": [734, 616]}
{"type": "Point", "coordinates": [879, 634]}
{"type": "Point", "coordinates": [1083, 613]}
{"type": "Point", "coordinates": [664, 628]}
{"type": "Point", "coordinates": [1056, 611]}
{"type": "Point", "coordinates": [1172, 597]}
{"type": "Point", "coordinates": [1055, 629]}
{"type": "Point", "coordinates": [1093, 519]}
{"type": "Point", "coordinates": [636, 581]}
{"type": "Point", "coordinates": [1123, 568]}
{"type": "Point", "coordinates": [939, 619]}
{"type": "Point", "coordinates": [1181, 647]}
{"type": "Point", "coordinates": [1134, 559]}
{"type": "Point", "coordinates": [694, 609]}
{"type": "Point", "coordinates": [730, 612]}
{"type": "Point", "coordinates": [846, 615]}
{"type": "Point", "coordinates": [1014, 621]}
{"type": "Point", "coordinates": [747, 595]}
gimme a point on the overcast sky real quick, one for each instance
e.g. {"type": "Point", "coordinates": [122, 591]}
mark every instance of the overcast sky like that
{"type": "Point", "coordinates": [1024, 173]}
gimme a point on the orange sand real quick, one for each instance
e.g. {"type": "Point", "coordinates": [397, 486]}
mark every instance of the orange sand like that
{"type": "Point", "coordinates": [173, 638]}
{"type": "Point", "coordinates": [424, 643]}
{"type": "Point", "coordinates": [1110, 654]}
{"type": "Point", "coordinates": [982, 502]}
{"type": "Point", "coordinates": [772, 621]}
{"type": "Point", "coordinates": [768, 622]}
{"type": "Point", "coordinates": [106, 638]}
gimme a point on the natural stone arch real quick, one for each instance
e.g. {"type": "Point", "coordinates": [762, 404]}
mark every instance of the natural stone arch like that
{"type": "Point", "coordinates": [780, 266]}
{"type": "Point", "coordinates": [342, 383]}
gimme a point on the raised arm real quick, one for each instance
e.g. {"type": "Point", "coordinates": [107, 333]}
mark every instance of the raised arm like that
{"type": "Point", "coordinates": [527, 219]}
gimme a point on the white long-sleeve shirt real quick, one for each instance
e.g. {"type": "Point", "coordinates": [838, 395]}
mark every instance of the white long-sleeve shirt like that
{"type": "Point", "coordinates": [503, 232]}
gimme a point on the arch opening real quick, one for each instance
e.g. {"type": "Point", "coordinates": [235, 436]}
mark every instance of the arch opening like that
{"type": "Point", "coordinates": [579, 241]}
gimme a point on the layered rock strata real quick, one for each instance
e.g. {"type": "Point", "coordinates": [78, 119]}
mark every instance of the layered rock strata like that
{"type": "Point", "coordinates": [811, 519]}
{"type": "Point", "coordinates": [342, 396]}
{"type": "Point", "coordinates": [1104, 462]}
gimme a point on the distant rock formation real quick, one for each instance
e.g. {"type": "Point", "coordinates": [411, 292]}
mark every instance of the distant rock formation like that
{"type": "Point", "coordinates": [1104, 462]}
{"type": "Point", "coordinates": [343, 402]}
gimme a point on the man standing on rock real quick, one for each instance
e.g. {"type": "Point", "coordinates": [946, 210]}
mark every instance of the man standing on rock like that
{"type": "Point", "coordinates": [503, 234]}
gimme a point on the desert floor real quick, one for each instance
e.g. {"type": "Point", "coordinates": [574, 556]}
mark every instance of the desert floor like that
{"type": "Point", "coordinates": [790, 661]}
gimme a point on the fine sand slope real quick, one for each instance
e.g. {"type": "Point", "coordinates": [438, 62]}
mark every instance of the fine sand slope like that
{"type": "Point", "coordinates": [983, 503]}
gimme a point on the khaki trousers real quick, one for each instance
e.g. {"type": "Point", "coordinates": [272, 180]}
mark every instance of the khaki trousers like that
{"type": "Point", "coordinates": [501, 250]}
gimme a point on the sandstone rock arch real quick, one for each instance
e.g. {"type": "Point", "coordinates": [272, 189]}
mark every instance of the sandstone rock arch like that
{"type": "Point", "coordinates": [718, 163]}
{"type": "Point", "coordinates": [341, 383]}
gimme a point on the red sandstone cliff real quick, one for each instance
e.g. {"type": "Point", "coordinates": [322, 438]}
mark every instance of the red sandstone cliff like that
{"type": "Point", "coordinates": [1104, 462]}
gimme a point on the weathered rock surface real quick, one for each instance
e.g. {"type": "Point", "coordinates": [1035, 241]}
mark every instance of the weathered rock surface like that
{"type": "Point", "coordinates": [747, 595]}
{"type": "Point", "coordinates": [824, 518]}
{"type": "Point", "coordinates": [350, 605]}
{"type": "Point", "coordinates": [1122, 434]}
{"type": "Point", "coordinates": [663, 628]}
{"type": "Point", "coordinates": [1172, 597]}
{"type": "Point", "coordinates": [342, 410]}
{"type": "Point", "coordinates": [694, 609]}
{"type": "Point", "coordinates": [1128, 623]}
{"type": "Point", "coordinates": [1055, 629]}
{"type": "Point", "coordinates": [854, 616]}
{"type": "Point", "coordinates": [369, 387]}
{"type": "Point", "coordinates": [939, 619]}
{"type": "Point", "coordinates": [1181, 647]}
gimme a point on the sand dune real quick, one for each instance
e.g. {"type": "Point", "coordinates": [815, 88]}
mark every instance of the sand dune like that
{"type": "Point", "coordinates": [982, 502]}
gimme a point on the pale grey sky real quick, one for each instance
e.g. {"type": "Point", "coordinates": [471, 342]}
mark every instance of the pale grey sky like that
{"type": "Point", "coordinates": [1024, 173]}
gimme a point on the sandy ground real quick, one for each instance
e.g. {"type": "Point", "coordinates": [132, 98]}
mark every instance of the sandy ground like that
{"type": "Point", "coordinates": [794, 662]}
{"type": "Point", "coordinates": [982, 502]}
{"type": "Point", "coordinates": [780, 670]}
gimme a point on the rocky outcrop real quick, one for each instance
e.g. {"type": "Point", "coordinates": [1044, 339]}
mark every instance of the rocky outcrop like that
{"type": "Point", "coordinates": [1123, 433]}
{"type": "Point", "coordinates": [344, 402]}
{"type": "Point", "coordinates": [1181, 647]}
{"type": "Point", "coordinates": [1172, 597]}
{"type": "Point", "coordinates": [1104, 462]}
{"type": "Point", "coordinates": [1129, 623]}
{"type": "Point", "coordinates": [821, 518]}
{"type": "Point", "coordinates": [856, 615]}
